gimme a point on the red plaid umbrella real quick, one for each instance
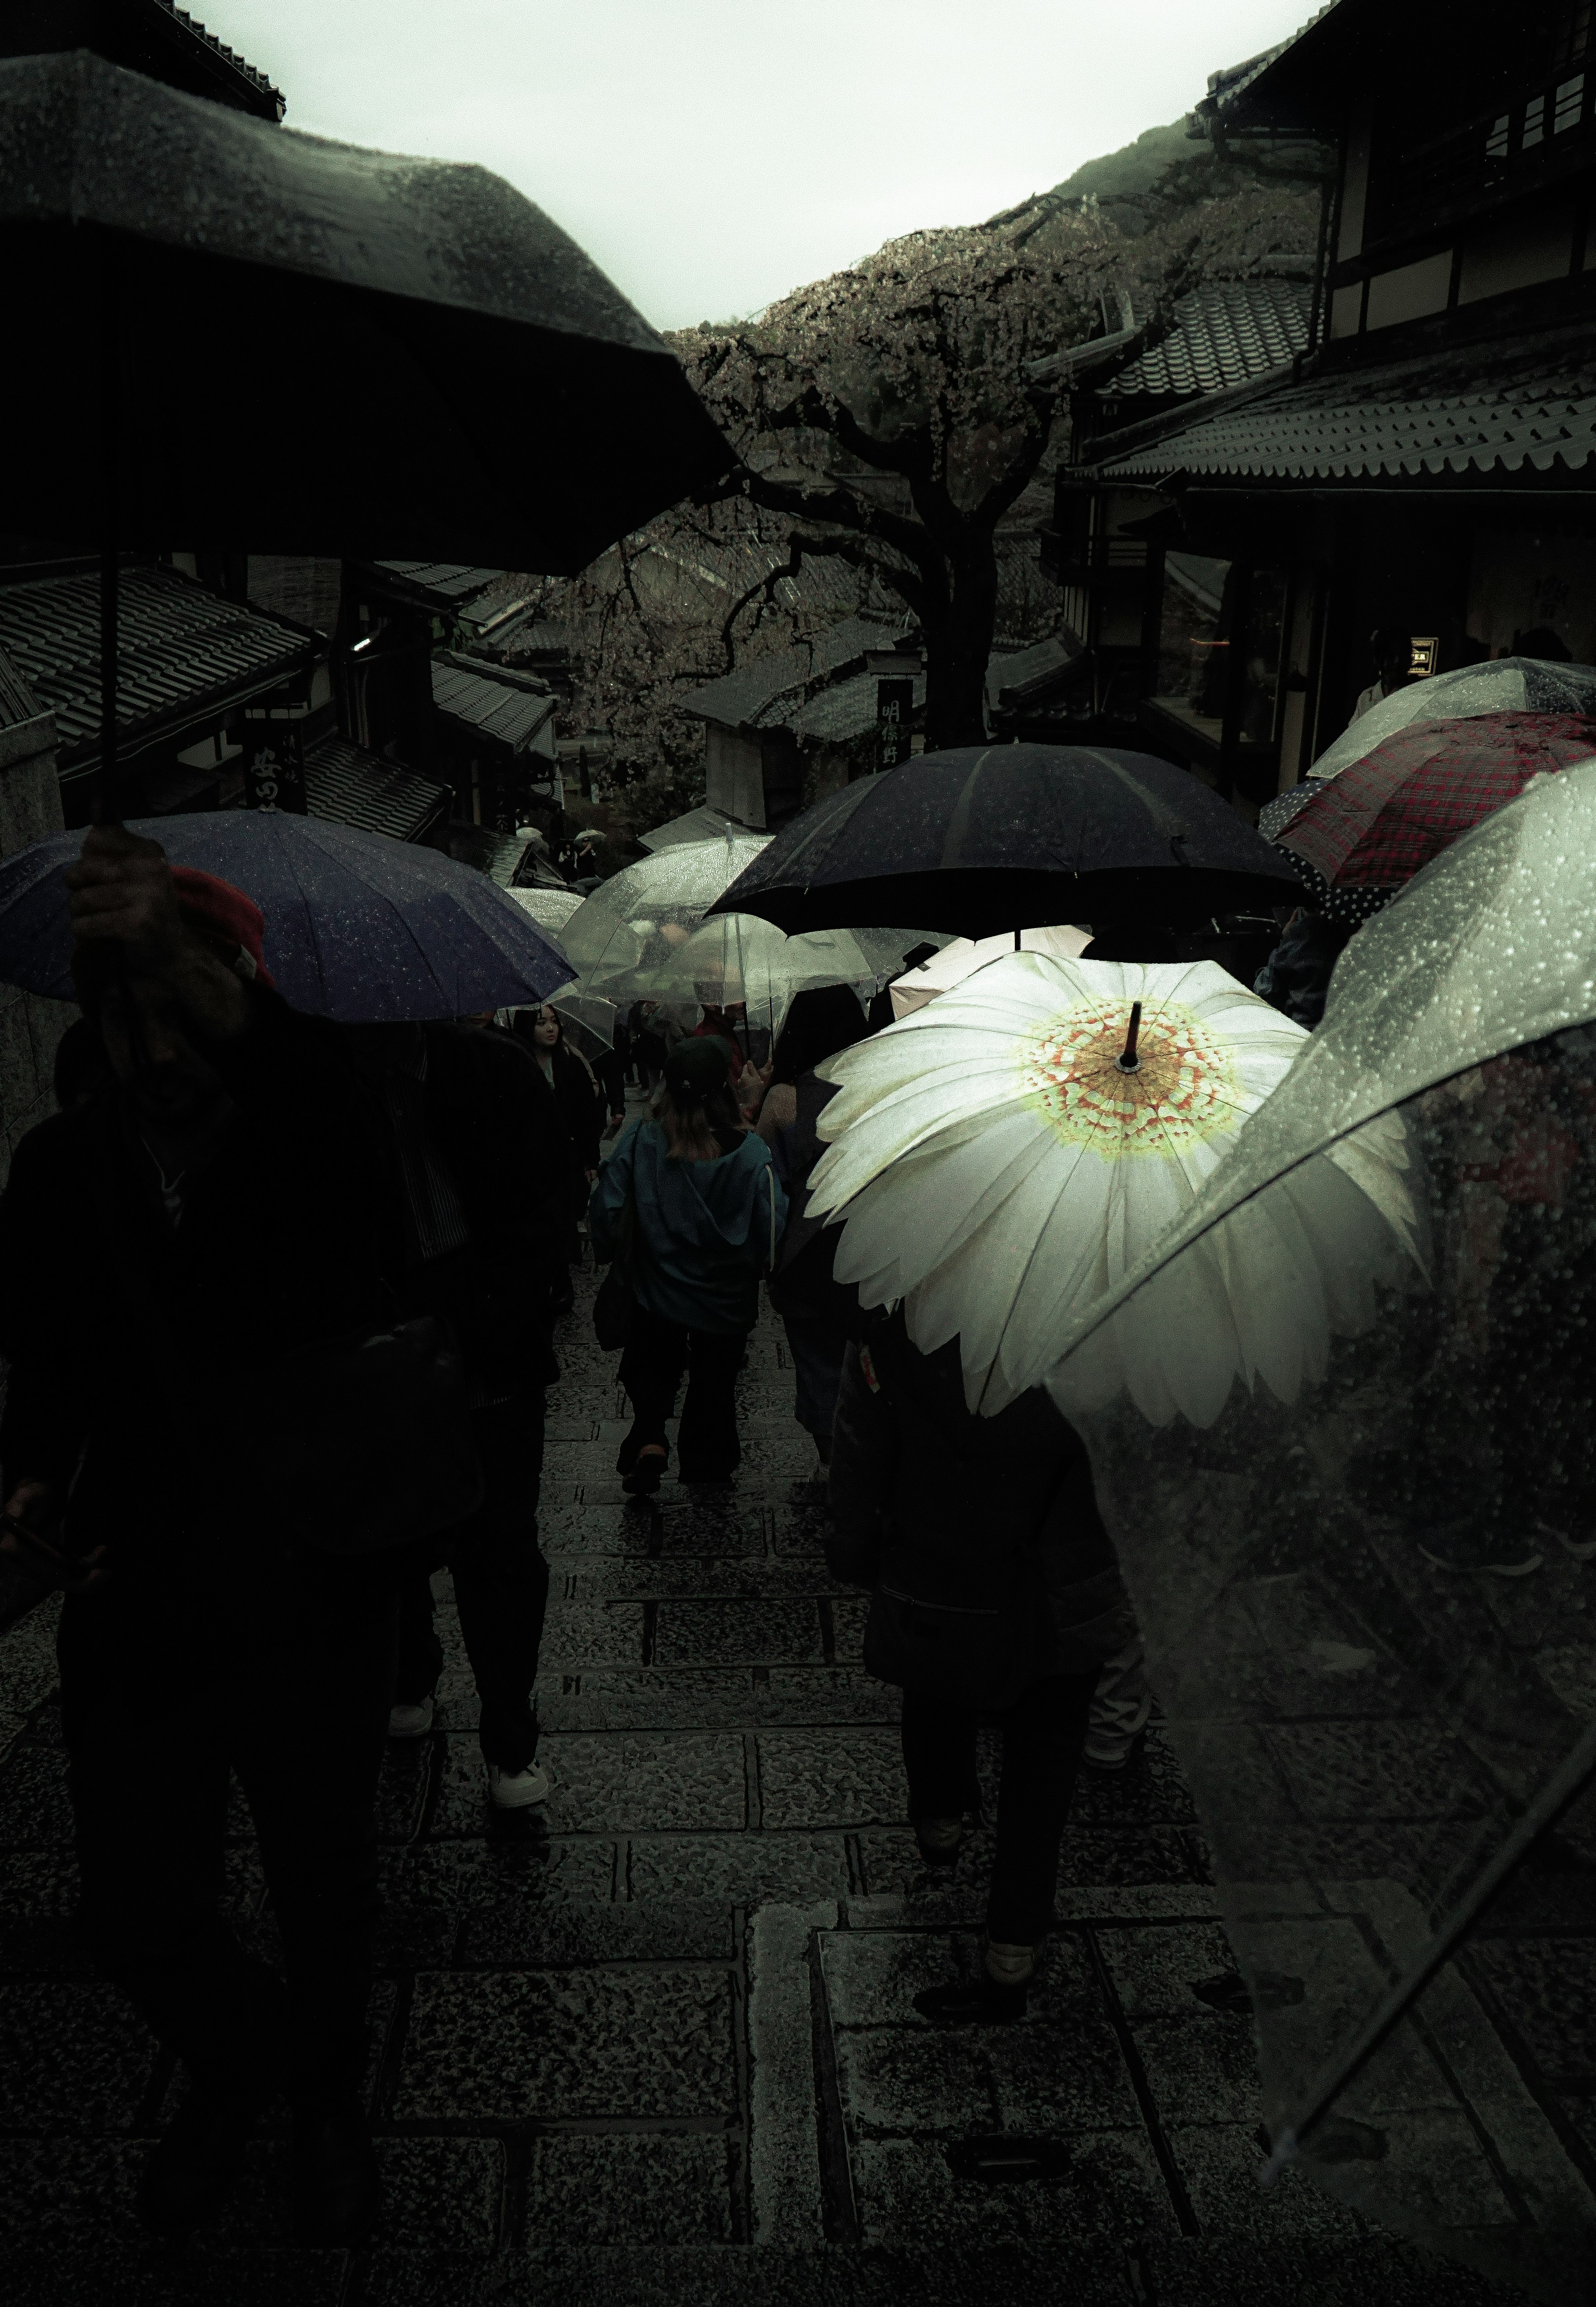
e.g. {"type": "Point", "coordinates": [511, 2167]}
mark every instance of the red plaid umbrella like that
{"type": "Point", "coordinates": [1381, 819]}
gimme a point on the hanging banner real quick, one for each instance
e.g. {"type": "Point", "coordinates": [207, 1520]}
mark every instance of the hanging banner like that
{"type": "Point", "coordinates": [274, 767]}
{"type": "Point", "coordinates": [894, 704]}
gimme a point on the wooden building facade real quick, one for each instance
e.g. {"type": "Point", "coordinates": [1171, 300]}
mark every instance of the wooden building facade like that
{"type": "Point", "coordinates": [1426, 464]}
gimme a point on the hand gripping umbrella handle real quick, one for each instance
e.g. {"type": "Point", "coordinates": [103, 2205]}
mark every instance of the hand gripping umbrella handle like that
{"type": "Point", "coordinates": [1562, 1789]}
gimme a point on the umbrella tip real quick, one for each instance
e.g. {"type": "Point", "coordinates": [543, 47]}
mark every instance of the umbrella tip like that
{"type": "Point", "coordinates": [1128, 1061]}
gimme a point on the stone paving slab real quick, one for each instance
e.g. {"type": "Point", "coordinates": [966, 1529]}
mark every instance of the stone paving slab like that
{"type": "Point", "coordinates": [657, 1579]}
{"type": "Point", "coordinates": [73, 2056]}
{"type": "Point", "coordinates": [850, 1777]}
{"type": "Point", "coordinates": [631, 1781]}
{"type": "Point", "coordinates": [728, 1632]}
{"type": "Point", "coordinates": [621, 2045]}
{"type": "Point", "coordinates": [643, 2187]}
{"type": "Point", "coordinates": [742, 1869]}
{"type": "Point", "coordinates": [509, 2046]}
{"type": "Point", "coordinates": [709, 1697]}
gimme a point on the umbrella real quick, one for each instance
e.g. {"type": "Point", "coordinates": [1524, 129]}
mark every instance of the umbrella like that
{"type": "Point", "coordinates": [389, 316]}
{"type": "Point", "coordinates": [623, 937]}
{"type": "Point", "coordinates": [1506, 684]}
{"type": "Point", "coordinates": [1000, 1156]}
{"type": "Point", "coordinates": [985, 839]}
{"type": "Point", "coordinates": [739, 957]}
{"type": "Point", "coordinates": [1368, 1583]}
{"type": "Point", "coordinates": [1380, 820]}
{"type": "Point", "coordinates": [358, 927]}
{"type": "Point", "coordinates": [550, 908]}
{"type": "Point", "coordinates": [960, 959]}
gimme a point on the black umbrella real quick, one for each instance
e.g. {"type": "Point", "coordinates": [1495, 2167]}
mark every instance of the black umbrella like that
{"type": "Point", "coordinates": [241, 337]}
{"type": "Point", "coordinates": [990, 839]}
{"type": "Point", "coordinates": [306, 347]}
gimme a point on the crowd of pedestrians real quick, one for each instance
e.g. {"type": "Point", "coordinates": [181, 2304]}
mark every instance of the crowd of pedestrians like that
{"type": "Point", "coordinates": [230, 1186]}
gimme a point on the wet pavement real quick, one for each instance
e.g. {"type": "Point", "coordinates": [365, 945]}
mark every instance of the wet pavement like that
{"type": "Point", "coordinates": [662, 2044]}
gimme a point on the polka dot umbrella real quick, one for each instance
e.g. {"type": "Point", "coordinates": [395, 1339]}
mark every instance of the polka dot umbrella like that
{"type": "Point", "coordinates": [1001, 1157]}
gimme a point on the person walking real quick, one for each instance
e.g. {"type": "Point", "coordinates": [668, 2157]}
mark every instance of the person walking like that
{"type": "Point", "coordinates": [648, 1047]}
{"type": "Point", "coordinates": [819, 1312]}
{"type": "Point", "coordinates": [210, 1210]}
{"type": "Point", "coordinates": [693, 1196]}
{"type": "Point", "coordinates": [994, 1592]}
{"type": "Point", "coordinates": [578, 1115]}
{"type": "Point", "coordinates": [484, 1187]}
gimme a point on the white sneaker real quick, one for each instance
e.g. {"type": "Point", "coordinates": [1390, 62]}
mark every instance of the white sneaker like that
{"type": "Point", "coordinates": [514, 1789]}
{"type": "Point", "coordinates": [411, 1721]}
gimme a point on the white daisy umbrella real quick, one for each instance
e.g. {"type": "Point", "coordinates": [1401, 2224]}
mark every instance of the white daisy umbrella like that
{"type": "Point", "coordinates": [1002, 1157]}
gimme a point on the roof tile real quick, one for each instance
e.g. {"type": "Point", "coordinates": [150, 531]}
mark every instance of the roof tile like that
{"type": "Point", "coordinates": [182, 650]}
{"type": "Point", "coordinates": [1445, 414]}
{"type": "Point", "coordinates": [1225, 333]}
{"type": "Point", "coordinates": [345, 785]}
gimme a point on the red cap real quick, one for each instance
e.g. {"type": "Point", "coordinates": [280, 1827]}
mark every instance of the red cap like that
{"type": "Point", "coordinates": [225, 914]}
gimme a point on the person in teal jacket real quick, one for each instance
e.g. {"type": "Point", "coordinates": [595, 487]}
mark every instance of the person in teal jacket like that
{"type": "Point", "coordinates": [709, 1210]}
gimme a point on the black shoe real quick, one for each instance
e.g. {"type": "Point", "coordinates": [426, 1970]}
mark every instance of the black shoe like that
{"type": "Point", "coordinates": [192, 2166]}
{"type": "Point", "coordinates": [983, 2004]}
{"type": "Point", "coordinates": [707, 1476]}
{"type": "Point", "coordinates": [645, 1473]}
{"type": "Point", "coordinates": [335, 2177]}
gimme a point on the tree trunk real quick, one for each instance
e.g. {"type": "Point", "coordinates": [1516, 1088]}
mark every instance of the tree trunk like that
{"type": "Point", "coordinates": [958, 645]}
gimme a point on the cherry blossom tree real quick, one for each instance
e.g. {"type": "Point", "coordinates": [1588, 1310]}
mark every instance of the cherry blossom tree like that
{"type": "Point", "coordinates": [893, 415]}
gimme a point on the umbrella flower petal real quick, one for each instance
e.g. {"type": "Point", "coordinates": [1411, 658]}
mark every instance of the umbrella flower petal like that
{"type": "Point", "coordinates": [1004, 1157]}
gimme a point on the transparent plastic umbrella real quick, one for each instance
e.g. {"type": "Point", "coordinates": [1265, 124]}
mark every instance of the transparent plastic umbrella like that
{"type": "Point", "coordinates": [553, 908]}
{"type": "Point", "coordinates": [1507, 685]}
{"type": "Point", "coordinates": [739, 957]}
{"type": "Point", "coordinates": [1365, 1567]}
{"type": "Point", "coordinates": [623, 938]}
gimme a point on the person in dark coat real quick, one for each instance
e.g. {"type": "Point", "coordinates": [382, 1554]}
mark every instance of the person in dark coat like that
{"type": "Point", "coordinates": [484, 1190]}
{"type": "Point", "coordinates": [819, 1313]}
{"type": "Point", "coordinates": [705, 1214]}
{"type": "Point", "coordinates": [880, 1013]}
{"type": "Point", "coordinates": [212, 1203]}
{"type": "Point", "coordinates": [579, 1117]}
{"type": "Point", "coordinates": [994, 1591]}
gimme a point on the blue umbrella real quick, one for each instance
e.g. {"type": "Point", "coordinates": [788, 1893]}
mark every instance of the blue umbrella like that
{"type": "Point", "coordinates": [358, 927]}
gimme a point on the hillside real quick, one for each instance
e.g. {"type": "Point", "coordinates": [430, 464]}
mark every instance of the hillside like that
{"type": "Point", "coordinates": [1133, 168]}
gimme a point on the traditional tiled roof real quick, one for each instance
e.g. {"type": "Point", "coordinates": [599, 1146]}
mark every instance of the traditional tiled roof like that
{"type": "Point", "coordinates": [1224, 333]}
{"type": "Point", "coordinates": [1020, 677]}
{"type": "Point", "coordinates": [1517, 409]}
{"type": "Point", "coordinates": [257, 80]}
{"type": "Point", "coordinates": [507, 707]}
{"type": "Point", "coordinates": [765, 692]}
{"type": "Point", "coordinates": [18, 703]}
{"type": "Point", "coordinates": [849, 709]}
{"type": "Point", "coordinates": [344, 784]}
{"type": "Point", "coordinates": [184, 653]}
{"type": "Point", "coordinates": [1228, 87]}
{"type": "Point", "coordinates": [448, 583]}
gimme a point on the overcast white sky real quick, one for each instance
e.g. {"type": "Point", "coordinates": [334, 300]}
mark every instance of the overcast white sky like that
{"type": "Point", "coordinates": [711, 154]}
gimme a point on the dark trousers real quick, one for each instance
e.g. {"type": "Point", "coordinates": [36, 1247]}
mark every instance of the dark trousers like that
{"type": "Point", "coordinates": [657, 1353]}
{"type": "Point", "coordinates": [818, 1352]}
{"type": "Point", "coordinates": [501, 1587]}
{"type": "Point", "coordinates": [1042, 1737]}
{"type": "Point", "coordinates": [164, 1690]}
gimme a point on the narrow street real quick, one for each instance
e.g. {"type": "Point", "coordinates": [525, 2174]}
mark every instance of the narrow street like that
{"type": "Point", "coordinates": [609, 2057]}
